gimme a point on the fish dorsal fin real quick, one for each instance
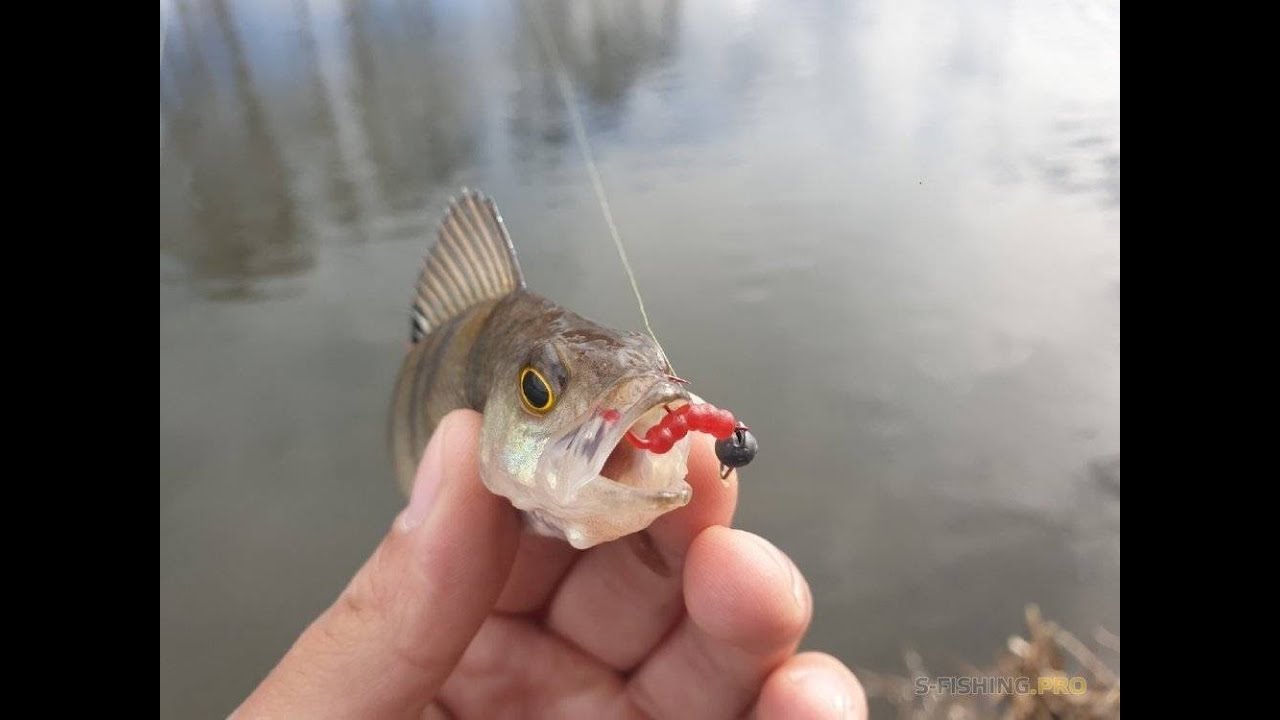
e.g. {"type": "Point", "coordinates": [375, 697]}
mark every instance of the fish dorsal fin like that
{"type": "Point", "coordinates": [473, 260]}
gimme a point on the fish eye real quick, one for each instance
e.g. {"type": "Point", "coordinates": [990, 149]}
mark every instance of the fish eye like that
{"type": "Point", "coordinates": [535, 391]}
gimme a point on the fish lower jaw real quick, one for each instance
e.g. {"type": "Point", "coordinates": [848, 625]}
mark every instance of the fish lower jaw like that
{"type": "Point", "coordinates": [602, 514]}
{"type": "Point", "coordinates": [599, 509]}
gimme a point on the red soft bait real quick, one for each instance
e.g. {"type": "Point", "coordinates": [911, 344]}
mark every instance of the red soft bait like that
{"type": "Point", "coordinates": [702, 417]}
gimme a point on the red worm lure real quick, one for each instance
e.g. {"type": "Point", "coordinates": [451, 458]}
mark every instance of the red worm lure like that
{"type": "Point", "coordinates": [702, 417]}
{"type": "Point", "coordinates": [735, 445]}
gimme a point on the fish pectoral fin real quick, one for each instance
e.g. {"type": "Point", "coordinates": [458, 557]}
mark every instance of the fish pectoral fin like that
{"type": "Point", "coordinates": [472, 261]}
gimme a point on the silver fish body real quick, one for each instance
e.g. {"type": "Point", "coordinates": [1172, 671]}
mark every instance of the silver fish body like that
{"type": "Point", "coordinates": [558, 392]}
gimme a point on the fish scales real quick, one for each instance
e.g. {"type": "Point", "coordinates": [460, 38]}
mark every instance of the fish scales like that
{"type": "Point", "coordinates": [558, 391]}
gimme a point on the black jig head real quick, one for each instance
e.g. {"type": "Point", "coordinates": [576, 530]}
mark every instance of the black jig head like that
{"type": "Point", "coordinates": [736, 450]}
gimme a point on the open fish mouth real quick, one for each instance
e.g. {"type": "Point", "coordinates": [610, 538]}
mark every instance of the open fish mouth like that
{"type": "Point", "coordinates": [634, 467]}
{"type": "Point", "coordinates": [596, 451]}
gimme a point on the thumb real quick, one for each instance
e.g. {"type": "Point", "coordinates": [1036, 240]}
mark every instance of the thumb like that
{"type": "Point", "coordinates": [396, 632]}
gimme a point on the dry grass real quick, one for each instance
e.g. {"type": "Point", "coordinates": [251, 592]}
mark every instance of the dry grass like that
{"type": "Point", "coordinates": [1048, 655]}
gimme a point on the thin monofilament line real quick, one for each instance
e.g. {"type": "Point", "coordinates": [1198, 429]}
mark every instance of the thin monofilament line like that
{"type": "Point", "coordinates": [580, 133]}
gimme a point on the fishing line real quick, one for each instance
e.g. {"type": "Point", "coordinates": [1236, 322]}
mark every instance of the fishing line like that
{"type": "Point", "coordinates": [548, 43]}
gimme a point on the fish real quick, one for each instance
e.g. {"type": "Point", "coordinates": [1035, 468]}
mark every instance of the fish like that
{"type": "Point", "coordinates": [558, 393]}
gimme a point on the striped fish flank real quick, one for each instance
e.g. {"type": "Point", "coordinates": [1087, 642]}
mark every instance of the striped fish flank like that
{"type": "Point", "coordinates": [557, 391]}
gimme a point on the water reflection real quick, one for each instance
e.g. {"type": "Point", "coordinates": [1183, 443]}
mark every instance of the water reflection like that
{"type": "Point", "coordinates": [1083, 158]}
{"type": "Point", "coordinates": [230, 227]}
{"type": "Point", "coordinates": [605, 46]}
{"type": "Point", "coordinates": [411, 99]}
{"type": "Point", "coordinates": [348, 117]}
{"type": "Point", "coordinates": [337, 136]}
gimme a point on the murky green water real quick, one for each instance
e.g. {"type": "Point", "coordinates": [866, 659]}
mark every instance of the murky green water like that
{"type": "Point", "coordinates": [887, 233]}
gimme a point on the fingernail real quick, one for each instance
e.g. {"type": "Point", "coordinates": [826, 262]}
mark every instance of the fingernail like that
{"type": "Point", "coordinates": [426, 484]}
{"type": "Point", "coordinates": [828, 693]}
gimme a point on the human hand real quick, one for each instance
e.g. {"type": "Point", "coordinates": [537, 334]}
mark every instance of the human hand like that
{"type": "Point", "coordinates": [459, 613]}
